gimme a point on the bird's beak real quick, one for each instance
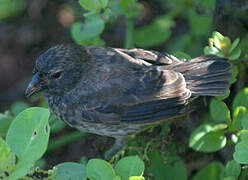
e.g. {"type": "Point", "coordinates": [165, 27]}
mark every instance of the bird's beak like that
{"type": "Point", "coordinates": [34, 86]}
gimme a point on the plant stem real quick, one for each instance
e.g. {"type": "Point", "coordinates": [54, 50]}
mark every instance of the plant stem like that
{"type": "Point", "coordinates": [129, 33]}
{"type": "Point", "coordinates": [62, 141]}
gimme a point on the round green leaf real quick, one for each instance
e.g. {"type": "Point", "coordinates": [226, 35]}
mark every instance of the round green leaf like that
{"type": "Point", "coordinates": [233, 168]}
{"type": "Point", "coordinates": [241, 99]}
{"type": "Point", "coordinates": [244, 121]}
{"type": "Point", "coordinates": [155, 33]}
{"type": "Point", "coordinates": [129, 166]}
{"type": "Point", "coordinates": [243, 135]}
{"type": "Point", "coordinates": [241, 152]}
{"type": "Point", "coordinates": [98, 169]}
{"type": "Point", "coordinates": [93, 4]}
{"type": "Point", "coordinates": [70, 170]}
{"type": "Point", "coordinates": [219, 111]}
{"type": "Point", "coordinates": [93, 26]}
{"type": "Point", "coordinates": [238, 115]}
{"type": "Point", "coordinates": [208, 138]}
{"type": "Point", "coordinates": [213, 171]}
{"type": "Point", "coordinates": [29, 133]}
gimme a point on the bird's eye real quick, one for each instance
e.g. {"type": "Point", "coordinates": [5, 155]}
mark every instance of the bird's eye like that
{"type": "Point", "coordinates": [57, 74]}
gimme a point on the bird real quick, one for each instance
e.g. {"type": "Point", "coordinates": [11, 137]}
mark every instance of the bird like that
{"type": "Point", "coordinates": [117, 92]}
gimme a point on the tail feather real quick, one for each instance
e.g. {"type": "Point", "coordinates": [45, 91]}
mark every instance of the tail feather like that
{"type": "Point", "coordinates": [206, 75]}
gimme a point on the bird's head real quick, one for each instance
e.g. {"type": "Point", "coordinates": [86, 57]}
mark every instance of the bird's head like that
{"type": "Point", "coordinates": [58, 70]}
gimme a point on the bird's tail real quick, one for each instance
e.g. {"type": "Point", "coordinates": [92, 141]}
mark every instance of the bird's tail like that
{"type": "Point", "coordinates": [206, 75]}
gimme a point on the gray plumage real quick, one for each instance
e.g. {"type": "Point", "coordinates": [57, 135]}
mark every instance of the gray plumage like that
{"type": "Point", "coordinates": [116, 92]}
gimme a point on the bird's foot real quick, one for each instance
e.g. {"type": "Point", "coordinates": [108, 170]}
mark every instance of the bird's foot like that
{"type": "Point", "coordinates": [118, 145]}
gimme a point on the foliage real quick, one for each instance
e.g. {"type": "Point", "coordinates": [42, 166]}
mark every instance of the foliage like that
{"type": "Point", "coordinates": [25, 131]}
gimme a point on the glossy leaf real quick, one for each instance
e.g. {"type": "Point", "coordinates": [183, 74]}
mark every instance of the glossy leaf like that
{"type": "Point", "coordinates": [98, 169]}
{"type": "Point", "coordinates": [29, 133]}
{"type": "Point", "coordinates": [129, 166]}
{"type": "Point", "coordinates": [241, 99]}
{"type": "Point", "coordinates": [238, 114]}
{"type": "Point", "coordinates": [208, 138]}
{"type": "Point", "coordinates": [70, 170]}
{"type": "Point", "coordinates": [212, 171]}
{"type": "Point", "coordinates": [233, 168]}
{"type": "Point", "coordinates": [241, 152]}
{"type": "Point", "coordinates": [219, 111]}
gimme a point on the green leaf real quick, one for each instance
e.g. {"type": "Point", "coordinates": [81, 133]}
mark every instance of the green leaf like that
{"type": "Point", "coordinates": [129, 166]}
{"type": "Point", "coordinates": [200, 25]}
{"type": "Point", "coordinates": [217, 36]}
{"type": "Point", "coordinates": [213, 50]}
{"type": "Point", "coordinates": [93, 27]}
{"type": "Point", "coordinates": [18, 107]}
{"type": "Point", "coordinates": [241, 99]}
{"type": "Point", "coordinates": [6, 157]}
{"type": "Point", "coordinates": [213, 171]}
{"type": "Point", "coordinates": [70, 170]}
{"type": "Point", "coordinates": [173, 169]}
{"type": "Point", "coordinates": [5, 121]}
{"type": "Point", "coordinates": [9, 9]}
{"type": "Point", "coordinates": [241, 152]}
{"type": "Point", "coordinates": [244, 121]}
{"type": "Point", "coordinates": [208, 138]}
{"type": "Point", "coordinates": [93, 4]}
{"type": "Point", "coordinates": [244, 135]}
{"type": "Point", "coordinates": [223, 44]}
{"type": "Point", "coordinates": [220, 98]}
{"type": "Point", "coordinates": [233, 168]}
{"type": "Point", "coordinates": [98, 169]}
{"type": "Point", "coordinates": [235, 54]}
{"type": "Point", "coordinates": [238, 114]}
{"type": "Point", "coordinates": [155, 33]}
{"type": "Point", "coordinates": [219, 111]}
{"type": "Point", "coordinates": [29, 133]}
{"type": "Point", "coordinates": [136, 178]}
{"type": "Point", "coordinates": [234, 74]}
{"type": "Point", "coordinates": [234, 45]}
{"type": "Point", "coordinates": [20, 170]}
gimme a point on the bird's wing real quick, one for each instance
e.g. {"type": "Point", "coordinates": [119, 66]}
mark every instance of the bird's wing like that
{"type": "Point", "coordinates": [138, 95]}
{"type": "Point", "coordinates": [153, 57]}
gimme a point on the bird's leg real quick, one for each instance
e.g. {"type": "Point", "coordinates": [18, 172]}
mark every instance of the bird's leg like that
{"type": "Point", "coordinates": [118, 145]}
